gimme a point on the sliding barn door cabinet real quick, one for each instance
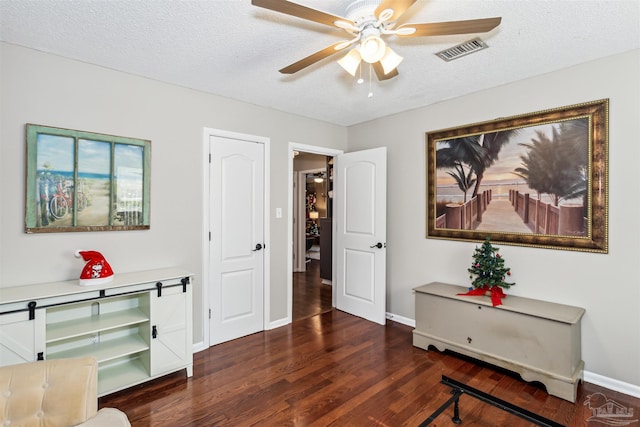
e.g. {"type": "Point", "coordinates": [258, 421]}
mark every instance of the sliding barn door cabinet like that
{"type": "Point", "coordinates": [138, 327]}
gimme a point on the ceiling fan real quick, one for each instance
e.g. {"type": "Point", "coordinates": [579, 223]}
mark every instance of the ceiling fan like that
{"type": "Point", "coordinates": [367, 21]}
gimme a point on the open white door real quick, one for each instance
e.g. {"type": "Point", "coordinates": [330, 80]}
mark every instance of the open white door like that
{"type": "Point", "coordinates": [237, 238]}
{"type": "Point", "coordinates": [360, 215]}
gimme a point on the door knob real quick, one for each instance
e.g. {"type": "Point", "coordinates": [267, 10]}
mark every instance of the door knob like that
{"type": "Point", "coordinates": [377, 245]}
{"type": "Point", "coordinates": [258, 247]}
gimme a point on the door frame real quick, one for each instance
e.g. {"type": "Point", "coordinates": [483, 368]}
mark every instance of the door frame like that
{"type": "Point", "coordinates": [293, 147]}
{"type": "Point", "coordinates": [207, 133]}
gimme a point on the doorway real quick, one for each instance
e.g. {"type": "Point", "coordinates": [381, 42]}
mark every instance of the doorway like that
{"type": "Point", "coordinates": [313, 235]}
{"type": "Point", "coordinates": [358, 260]}
{"type": "Point", "coordinates": [310, 288]}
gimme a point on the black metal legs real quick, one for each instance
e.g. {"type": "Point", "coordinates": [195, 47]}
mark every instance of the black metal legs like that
{"type": "Point", "coordinates": [456, 412]}
{"type": "Point", "coordinates": [458, 389]}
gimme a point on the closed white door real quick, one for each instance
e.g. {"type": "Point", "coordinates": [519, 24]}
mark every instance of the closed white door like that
{"type": "Point", "coordinates": [237, 238]}
{"type": "Point", "coordinates": [360, 216]}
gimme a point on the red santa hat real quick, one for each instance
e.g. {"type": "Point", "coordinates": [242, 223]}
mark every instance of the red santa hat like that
{"type": "Point", "coordinates": [96, 271]}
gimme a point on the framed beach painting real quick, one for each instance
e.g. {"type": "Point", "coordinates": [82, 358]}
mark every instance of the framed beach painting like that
{"type": "Point", "coordinates": [538, 179]}
{"type": "Point", "coordinates": [84, 181]}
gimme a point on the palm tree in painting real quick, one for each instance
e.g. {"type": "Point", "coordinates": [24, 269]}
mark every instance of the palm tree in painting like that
{"type": "Point", "coordinates": [478, 152]}
{"type": "Point", "coordinates": [557, 164]}
{"type": "Point", "coordinates": [491, 143]}
{"type": "Point", "coordinates": [464, 180]}
{"type": "Point", "coordinates": [575, 133]}
{"type": "Point", "coordinates": [536, 166]}
{"type": "Point", "coordinates": [460, 150]}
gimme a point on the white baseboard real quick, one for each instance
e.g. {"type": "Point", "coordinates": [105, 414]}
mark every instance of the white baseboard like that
{"type": "Point", "coordinates": [278, 323]}
{"type": "Point", "coordinates": [589, 377]}
{"type": "Point", "coordinates": [611, 384]}
{"type": "Point", "coordinates": [199, 346]}
{"type": "Point", "coordinates": [401, 319]}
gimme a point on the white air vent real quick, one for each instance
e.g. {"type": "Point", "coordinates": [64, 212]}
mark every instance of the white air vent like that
{"type": "Point", "coordinates": [462, 49]}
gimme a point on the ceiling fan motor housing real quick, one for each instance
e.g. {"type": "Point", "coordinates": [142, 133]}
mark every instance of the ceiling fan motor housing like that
{"type": "Point", "coordinates": [362, 11]}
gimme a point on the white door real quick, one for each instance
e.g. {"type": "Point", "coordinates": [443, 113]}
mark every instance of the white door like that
{"type": "Point", "coordinates": [237, 238]}
{"type": "Point", "coordinates": [360, 215]}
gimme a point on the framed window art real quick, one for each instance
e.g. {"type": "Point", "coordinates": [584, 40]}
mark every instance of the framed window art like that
{"type": "Point", "coordinates": [85, 181]}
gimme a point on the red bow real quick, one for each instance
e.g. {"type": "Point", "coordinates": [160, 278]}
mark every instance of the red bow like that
{"type": "Point", "coordinates": [496, 293]}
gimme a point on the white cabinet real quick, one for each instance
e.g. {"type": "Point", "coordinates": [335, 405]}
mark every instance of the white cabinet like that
{"type": "Point", "coordinates": [138, 327]}
{"type": "Point", "coordinates": [21, 339]}
{"type": "Point", "coordinates": [171, 335]}
{"type": "Point", "coordinates": [539, 340]}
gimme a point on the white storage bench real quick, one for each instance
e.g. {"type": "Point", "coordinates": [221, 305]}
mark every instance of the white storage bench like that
{"type": "Point", "coordinates": [539, 340]}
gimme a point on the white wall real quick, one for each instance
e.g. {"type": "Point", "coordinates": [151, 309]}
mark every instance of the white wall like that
{"type": "Point", "coordinates": [48, 90]}
{"type": "Point", "coordinates": [607, 286]}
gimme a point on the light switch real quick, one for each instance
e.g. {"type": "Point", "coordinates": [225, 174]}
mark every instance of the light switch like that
{"type": "Point", "coordinates": [278, 212]}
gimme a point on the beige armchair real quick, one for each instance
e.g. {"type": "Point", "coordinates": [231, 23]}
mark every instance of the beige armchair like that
{"type": "Point", "coordinates": [54, 393]}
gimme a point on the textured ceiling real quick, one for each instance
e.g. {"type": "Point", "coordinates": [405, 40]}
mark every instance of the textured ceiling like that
{"type": "Point", "coordinates": [234, 49]}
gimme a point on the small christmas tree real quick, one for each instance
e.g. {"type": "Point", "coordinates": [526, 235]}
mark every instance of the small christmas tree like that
{"type": "Point", "coordinates": [488, 266]}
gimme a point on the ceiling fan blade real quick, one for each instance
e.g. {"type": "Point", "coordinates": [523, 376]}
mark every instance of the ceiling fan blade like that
{"type": "Point", "coordinates": [398, 6]}
{"type": "Point", "coordinates": [449, 28]}
{"type": "Point", "coordinates": [313, 58]}
{"type": "Point", "coordinates": [304, 12]}
{"type": "Point", "coordinates": [377, 67]}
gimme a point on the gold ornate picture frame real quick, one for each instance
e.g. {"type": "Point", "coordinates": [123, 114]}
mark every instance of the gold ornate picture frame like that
{"type": "Point", "coordinates": [538, 179]}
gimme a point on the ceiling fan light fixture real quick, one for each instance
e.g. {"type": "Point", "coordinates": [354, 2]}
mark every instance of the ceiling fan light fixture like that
{"type": "Point", "coordinates": [372, 48]}
{"type": "Point", "coordinates": [351, 61]}
{"type": "Point", "coordinates": [390, 60]}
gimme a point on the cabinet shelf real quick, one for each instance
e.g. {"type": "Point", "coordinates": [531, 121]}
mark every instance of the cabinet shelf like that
{"type": "Point", "coordinates": [94, 324]}
{"type": "Point", "coordinates": [112, 377]}
{"type": "Point", "coordinates": [106, 350]}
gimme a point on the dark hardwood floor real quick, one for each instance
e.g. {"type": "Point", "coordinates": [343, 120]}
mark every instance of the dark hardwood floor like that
{"type": "Point", "coordinates": [334, 369]}
{"type": "Point", "coordinates": [310, 296]}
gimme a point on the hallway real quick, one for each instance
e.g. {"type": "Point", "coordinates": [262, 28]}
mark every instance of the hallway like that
{"type": "Point", "coordinates": [310, 296]}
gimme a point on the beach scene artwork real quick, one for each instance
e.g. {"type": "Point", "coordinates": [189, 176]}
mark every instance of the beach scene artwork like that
{"type": "Point", "coordinates": [82, 183]}
{"type": "Point", "coordinates": [547, 165]}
